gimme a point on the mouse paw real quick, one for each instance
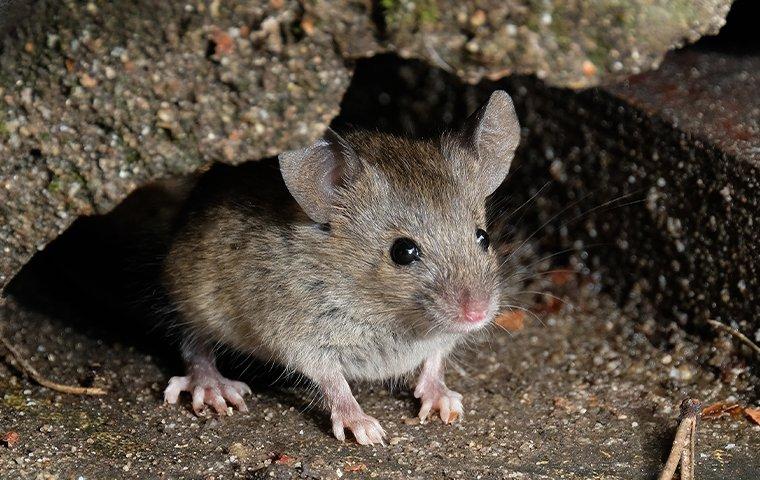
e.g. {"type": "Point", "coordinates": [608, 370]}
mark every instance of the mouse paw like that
{"type": "Point", "coordinates": [435, 396]}
{"type": "Point", "coordinates": [210, 389]}
{"type": "Point", "coordinates": [366, 429]}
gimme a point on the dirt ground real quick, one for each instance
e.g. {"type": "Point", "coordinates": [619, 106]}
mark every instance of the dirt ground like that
{"type": "Point", "coordinates": [582, 392]}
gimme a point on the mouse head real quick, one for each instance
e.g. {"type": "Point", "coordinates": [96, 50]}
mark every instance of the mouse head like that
{"type": "Point", "coordinates": [407, 217]}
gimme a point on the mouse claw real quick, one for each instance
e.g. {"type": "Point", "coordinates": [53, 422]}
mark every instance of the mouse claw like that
{"type": "Point", "coordinates": [447, 403]}
{"type": "Point", "coordinates": [208, 389]}
{"type": "Point", "coordinates": [366, 429]}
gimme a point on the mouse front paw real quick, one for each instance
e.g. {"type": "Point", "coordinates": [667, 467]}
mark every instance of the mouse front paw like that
{"type": "Point", "coordinates": [366, 429]}
{"type": "Point", "coordinates": [208, 388]}
{"type": "Point", "coordinates": [435, 396]}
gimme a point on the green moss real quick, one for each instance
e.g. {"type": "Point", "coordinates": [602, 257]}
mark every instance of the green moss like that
{"type": "Point", "coordinates": [14, 401]}
{"type": "Point", "coordinates": [55, 185]}
{"type": "Point", "coordinates": [409, 14]}
{"type": "Point", "coordinates": [4, 133]}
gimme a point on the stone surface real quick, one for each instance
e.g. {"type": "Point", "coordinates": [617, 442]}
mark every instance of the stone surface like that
{"type": "Point", "coordinates": [582, 392]}
{"type": "Point", "coordinates": [574, 43]}
{"type": "Point", "coordinates": [98, 98]}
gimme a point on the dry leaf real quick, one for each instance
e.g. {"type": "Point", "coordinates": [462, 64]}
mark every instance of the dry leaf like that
{"type": "Point", "coordinates": [753, 414]}
{"type": "Point", "coordinates": [561, 277]}
{"type": "Point", "coordinates": [550, 305]}
{"type": "Point", "coordinates": [283, 459]}
{"type": "Point", "coordinates": [512, 321]}
{"type": "Point", "coordinates": [11, 439]}
{"type": "Point", "coordinates": [720, 409]}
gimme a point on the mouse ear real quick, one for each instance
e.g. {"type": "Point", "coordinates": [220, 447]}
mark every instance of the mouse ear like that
{"type": "Point", "coordinates": [314, 174]}
{"type": "Point", "coordinates": [491, 134]}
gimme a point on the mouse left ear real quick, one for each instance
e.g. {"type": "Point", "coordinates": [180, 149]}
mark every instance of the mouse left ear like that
{"type": "Point", "coordinates": [314, 174]}
{"type": "Point", "coordinates": [490, 135]}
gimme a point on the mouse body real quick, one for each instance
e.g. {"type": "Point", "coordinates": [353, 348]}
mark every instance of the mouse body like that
{"type": "Point", "coordinates": [360, 257]}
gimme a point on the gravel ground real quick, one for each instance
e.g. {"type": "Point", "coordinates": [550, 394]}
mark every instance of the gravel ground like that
{"type": "Point", "coordinates": [582, 392]}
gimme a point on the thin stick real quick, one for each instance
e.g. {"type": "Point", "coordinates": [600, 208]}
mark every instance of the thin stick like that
{"type": "Point", "coordinates": [30, 371]}
{"type": "Point", "coordinates": [683, 444]}
{"type": "Point", "coordinates": [736, 334]}
{"type": "Point", "coordinates": [687, 455]}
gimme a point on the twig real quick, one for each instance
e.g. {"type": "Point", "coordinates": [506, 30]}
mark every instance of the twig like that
{"type": "Point", "coordinates": [684, 443]}
{"type": "Point", "coordinates": [736, 334]}
{"type": "Point", "coordinates": [30, 371]}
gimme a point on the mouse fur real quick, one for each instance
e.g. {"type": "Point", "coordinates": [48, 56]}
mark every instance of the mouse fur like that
{"type": "Point", "coordinates": [289, 261]}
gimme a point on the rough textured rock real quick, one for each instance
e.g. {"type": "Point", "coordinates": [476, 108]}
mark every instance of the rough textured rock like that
{"type": "Point", "coordinates": [574, 43]}
{"type": "Point", "coordinates": [99, 98]}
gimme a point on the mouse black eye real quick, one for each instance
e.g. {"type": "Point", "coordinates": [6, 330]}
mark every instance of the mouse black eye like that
{"type": "Point", "coordinates": [482, 238]}
{"type": "Point", "coordinates": [405, 251]}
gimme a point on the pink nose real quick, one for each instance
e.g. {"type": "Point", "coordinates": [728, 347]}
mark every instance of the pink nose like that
{"type": "Point", "coordinates": [476, 315]}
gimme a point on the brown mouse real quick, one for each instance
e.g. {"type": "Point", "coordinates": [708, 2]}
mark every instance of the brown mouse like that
{"type": "Point", "coordinates": [363, 257]}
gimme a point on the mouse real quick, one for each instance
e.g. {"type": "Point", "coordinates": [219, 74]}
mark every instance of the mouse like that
{"type": "Point", "coordinates": [362, 257]}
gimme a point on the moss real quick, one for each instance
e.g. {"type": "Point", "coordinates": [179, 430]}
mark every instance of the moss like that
{"type": "Point", "coordinates": [55, 185]}
{"type": "Point", "coordinates": [14, 401]}
{"type": "Point", "coordinates": [4, 133]}
{"type": "Point", "coordinates": [409, 14]}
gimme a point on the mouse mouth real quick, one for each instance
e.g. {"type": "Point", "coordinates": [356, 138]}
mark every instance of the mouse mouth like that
{"type": "Point", "coordinates": [465, 323]}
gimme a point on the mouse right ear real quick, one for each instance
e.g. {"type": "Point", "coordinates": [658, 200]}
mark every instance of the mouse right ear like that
{"type": "Point", "coordinates": [314, 174]}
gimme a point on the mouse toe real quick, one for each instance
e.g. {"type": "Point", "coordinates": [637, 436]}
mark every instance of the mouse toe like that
{"type": "Point", "coordinates": [209, 389]}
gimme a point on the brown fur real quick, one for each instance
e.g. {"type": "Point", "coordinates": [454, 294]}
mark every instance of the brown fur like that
{"type": "Point", "coordinates": [251, 270]}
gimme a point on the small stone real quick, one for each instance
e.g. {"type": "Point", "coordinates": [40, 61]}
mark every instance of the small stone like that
{"type": "Point", "coordinates": [478, 18]}
{"type": "Point", "coordinates": [588, 68]}
{"type": "Point", "coordinates": [87, 81]}
{"type": "Point", "coordinates": [307, 25]}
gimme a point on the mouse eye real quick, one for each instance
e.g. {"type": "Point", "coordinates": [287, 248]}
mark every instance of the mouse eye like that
{"type": "Point", "coordinates": [482, 238]}
{"type": "Point", "coordinates": [405, 251]}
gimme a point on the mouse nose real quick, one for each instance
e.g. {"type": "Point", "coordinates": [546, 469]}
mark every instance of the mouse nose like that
{"type": "Point", "coordinates": [473, 310]}
{"type": "Point", "coordinates": [475, 316]}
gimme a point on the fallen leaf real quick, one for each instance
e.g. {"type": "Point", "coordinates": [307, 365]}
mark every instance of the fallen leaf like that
{"type": "Point", "coordinates": [552, 305]}
{"type": "Point", "coordinates": [753, 414]}
{"type": "Point", "coordinates": [359, 467]}
{"type": "Point", "coordinates": [10, 439]}
{"type": "Point", "coordinates": [512, 321]}
{"type": "Point", "coordinates": [283, 459]}
{"type": "Point", "coordinates": [720, 409]}
{"type": "Point", "coordinates": [561, 277]}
